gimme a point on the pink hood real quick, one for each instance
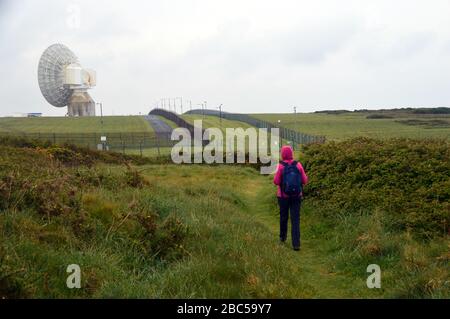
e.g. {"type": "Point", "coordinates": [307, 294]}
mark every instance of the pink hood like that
{"type": "Point", "coordinates": [287, 156]}
{"type": "Point", "coordinates": [286, 153]}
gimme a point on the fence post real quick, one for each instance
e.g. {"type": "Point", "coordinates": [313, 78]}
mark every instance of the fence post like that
{"type": "Point", "coordinates": [140, 147]}
{"type": "Point", "coordinates": [157, 144]}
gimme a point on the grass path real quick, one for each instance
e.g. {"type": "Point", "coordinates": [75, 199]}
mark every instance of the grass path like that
{"type": "Point", "coordinates": [234, 251]}
{"type": "Point", "coordinates": [189, 231]}
{"type": "Point", "coordinates": [310, 264]}
{"type": "Point", "coordinates": [231, 249]}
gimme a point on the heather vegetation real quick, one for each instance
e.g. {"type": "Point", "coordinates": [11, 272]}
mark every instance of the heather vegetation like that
{"type": "Point", "coordinates": [409, 180]}
{"type": "Point", "coordinates": [141, 227]}
{"type": "Point", "coordinates": [385, 202]}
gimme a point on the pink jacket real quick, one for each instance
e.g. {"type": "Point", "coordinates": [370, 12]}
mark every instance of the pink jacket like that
{"type": "Point", "coordinates": [287, 156]}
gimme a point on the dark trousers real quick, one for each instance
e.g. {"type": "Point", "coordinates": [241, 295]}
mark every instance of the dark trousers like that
{"type": "Point", "coordinates": [292, 205]}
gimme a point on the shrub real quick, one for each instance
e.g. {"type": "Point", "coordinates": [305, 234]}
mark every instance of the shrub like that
{"type": "Point", "coordinates": [378, 116]}
{"type": "Point", "coordinates": [167, 241]}
{"type": "Point", "coordinates": [408, 179]}
{"type": "Point", "coordinates": [134, 178]}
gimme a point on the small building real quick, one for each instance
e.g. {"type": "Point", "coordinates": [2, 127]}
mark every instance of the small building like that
{"type": "Point", "coordinates": [34, 114]}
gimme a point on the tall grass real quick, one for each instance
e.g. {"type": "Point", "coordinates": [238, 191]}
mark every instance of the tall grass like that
{"type": "Point", "coordinates": [386, 203]}
{"type": "Point", "coordinates": [158, 230]}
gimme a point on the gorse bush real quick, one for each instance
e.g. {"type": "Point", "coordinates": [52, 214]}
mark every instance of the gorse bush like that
{"type": "Point", "coordinates": [407, 179]}
{"type": "Point", "coordinates": [54, 198]}
{"type": "Point", "coordinates": [31, 179]}
{"type": "Point", "coordinates": [72, 155]}
{"type": "Point", "coordinates": [383, 202]}
{"type": "Point", "coordinates": [378, 116]}
{"type": "Point", "coordinates": [165, 231]}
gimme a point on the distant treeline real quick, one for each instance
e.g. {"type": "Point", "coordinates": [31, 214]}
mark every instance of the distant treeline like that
{"type": "Point", "coordinates": [422, 110]}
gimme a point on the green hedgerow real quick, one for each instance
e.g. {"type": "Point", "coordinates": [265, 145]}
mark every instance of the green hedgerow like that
{"type": "Point", "coordinates": [409, 179]}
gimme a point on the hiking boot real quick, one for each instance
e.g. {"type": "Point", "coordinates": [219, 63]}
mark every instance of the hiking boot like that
{"type": "Point", "coordinates": [296, 248]}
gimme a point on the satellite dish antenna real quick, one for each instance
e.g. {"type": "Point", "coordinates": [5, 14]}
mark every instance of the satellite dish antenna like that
{"type": "Point", "coordinates": [64, 82]}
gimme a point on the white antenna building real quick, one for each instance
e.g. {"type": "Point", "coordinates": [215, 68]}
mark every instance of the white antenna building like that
{"type": "Point", "coordinates": [64, 82]}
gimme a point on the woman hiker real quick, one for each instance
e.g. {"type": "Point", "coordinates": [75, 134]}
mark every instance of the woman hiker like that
{"type": "Point", "coordinates": [290, 178]}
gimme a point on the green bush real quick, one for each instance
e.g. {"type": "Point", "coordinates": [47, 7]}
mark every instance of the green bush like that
{"type": "Point", "coordinates": [60, 201]}
{"type": "Point", "coordinates": [408, 179]}
{"type": "Point", "coordinates": [378, 116]}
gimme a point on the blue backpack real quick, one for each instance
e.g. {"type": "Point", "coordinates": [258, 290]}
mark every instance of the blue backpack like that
{"type": "Point", "coordinates": [291, 183]}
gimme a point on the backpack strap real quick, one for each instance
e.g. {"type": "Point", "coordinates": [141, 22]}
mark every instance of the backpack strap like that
{"type": "Point", "coordinates": [294, 163]}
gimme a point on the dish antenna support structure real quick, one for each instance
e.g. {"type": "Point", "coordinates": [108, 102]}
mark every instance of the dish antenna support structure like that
{"type": "Point", "coordinates": [64, 82]}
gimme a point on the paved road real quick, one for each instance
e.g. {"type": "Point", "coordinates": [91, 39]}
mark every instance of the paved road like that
{"type": "Point", "coordinates": [160, 127]}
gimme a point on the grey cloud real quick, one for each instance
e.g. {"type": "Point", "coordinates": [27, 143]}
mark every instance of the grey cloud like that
{"type": "Point", "coordinates": [382, 49]}
{"type": "Point", "coordinates": [140, 53]}
{"type": "Point", "coordinates": [314, 44]}
{"type": "Point", "coordinates": [240, 52]}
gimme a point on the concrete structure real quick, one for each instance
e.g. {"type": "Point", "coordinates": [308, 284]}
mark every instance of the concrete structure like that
{"type": "Point", "coordinates": [81, 104]}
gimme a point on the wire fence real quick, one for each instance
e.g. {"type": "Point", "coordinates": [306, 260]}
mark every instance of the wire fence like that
{"type": "Point", "coordinates": [285, 133]}
{"type": "Point", "coordinates": [156, 143]}
{"type": "Point", "coordinates": [129, 142]}
{"type": "Point", "coordinates": [180, 122]}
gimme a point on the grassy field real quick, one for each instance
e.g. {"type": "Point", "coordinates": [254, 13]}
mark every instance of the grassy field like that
{"type": "Point", "coordinates": [185, 231]}
{"type": "Point", "coordinates": [122, 132]}
{"type": "Point", "coordinates": [188, 231]}
{"type": "Point", "coordinates": [334, 126]}
{"type": "Point", "coordinates": [214, 121]}
{"type": "Point", "coordinates": [111, 124]}
{"type": "Point", "coordinates": [348, 125]}
{"type": "Point", "coordinates": [146, 228]}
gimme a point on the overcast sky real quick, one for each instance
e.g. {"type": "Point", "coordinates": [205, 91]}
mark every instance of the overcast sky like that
{"type": "Point", "coordinates": [249, 55]}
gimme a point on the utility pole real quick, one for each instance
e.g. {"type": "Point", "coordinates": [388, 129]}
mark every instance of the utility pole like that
{"type": "Point", "coordinates": [220, 114]}
{"type": "Point", "coordinates": [203, 111]}
{"type": "Point", "coordinates": [102, 137]}
{"type": "Point", "coordinates": [296, 126]}
{"type": "Point", "coordinates": [181, 100]}
{"type": "Point", "coordinates": [190, 104]}
{"type": "Point", "coordinates": [101, 112]}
